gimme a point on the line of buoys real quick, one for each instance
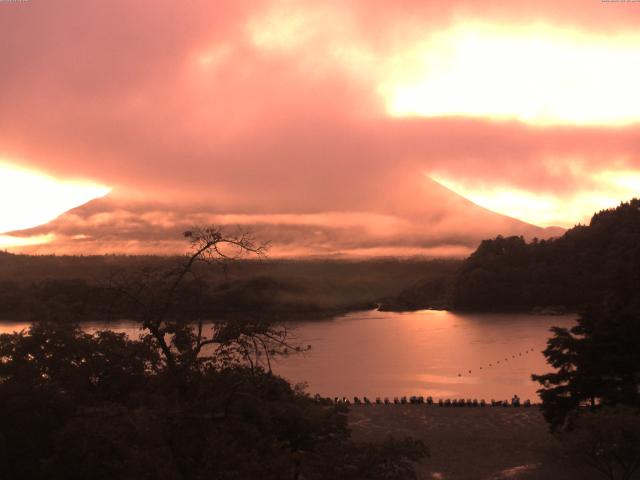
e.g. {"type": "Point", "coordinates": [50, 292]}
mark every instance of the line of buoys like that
{"type": "Point", "coordinates": [420, 400]}
{"type": "Point", "coordinates": [506, 359]}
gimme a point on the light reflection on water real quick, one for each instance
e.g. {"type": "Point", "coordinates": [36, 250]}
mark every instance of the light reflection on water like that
{"type": "Point", "coordinates": [416, 353]}
{"type": "Point", "coordinates": [423, 353]}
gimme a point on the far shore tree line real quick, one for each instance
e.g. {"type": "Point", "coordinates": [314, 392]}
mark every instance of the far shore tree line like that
{"type": "Point", "coordinates": [77, 288]}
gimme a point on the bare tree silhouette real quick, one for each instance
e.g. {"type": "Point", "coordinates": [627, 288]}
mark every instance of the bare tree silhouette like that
{"type": "Point", "coordinates": [170, 306]}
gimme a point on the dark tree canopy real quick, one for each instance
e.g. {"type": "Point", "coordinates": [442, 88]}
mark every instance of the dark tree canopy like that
{"type": "Point", "coordinates": [597, 362]}
{"type": "Point", "coordinates": [578, 268]}
{"type": "Point", "coordinates": [606, 439]}
{"type": "Point", "coordinates": [592, 399]}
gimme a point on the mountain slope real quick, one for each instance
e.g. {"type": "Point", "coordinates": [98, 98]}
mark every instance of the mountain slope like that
{"type": "Point", "coordinates": [404, 216]}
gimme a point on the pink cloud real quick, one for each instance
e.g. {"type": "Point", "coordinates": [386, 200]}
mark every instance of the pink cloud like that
{"type": "Point", "coordinates": [182, 104]}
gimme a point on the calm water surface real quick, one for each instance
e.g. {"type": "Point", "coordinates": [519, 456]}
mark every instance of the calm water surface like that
{"type": "Point", "coordinates": [423, 353]}
{"type": "Point", "coordinates": [443, 354]}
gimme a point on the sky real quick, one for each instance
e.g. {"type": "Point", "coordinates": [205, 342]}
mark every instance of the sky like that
{"type": "Point", "coordinates": [335, 127]}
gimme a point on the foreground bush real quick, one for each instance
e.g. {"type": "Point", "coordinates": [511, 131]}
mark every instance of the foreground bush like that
{"type": "Point", "coordinates": [102, 406]}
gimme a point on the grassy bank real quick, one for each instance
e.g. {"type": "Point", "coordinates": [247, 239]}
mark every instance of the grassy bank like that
{"type": "Point", "coordinates": [473, 443]}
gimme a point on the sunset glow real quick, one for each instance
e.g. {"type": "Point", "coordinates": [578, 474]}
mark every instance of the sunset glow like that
{"type": "Point", "coordinates": [329, 128]}
{"type": "Point", "coordinates": [545, 209]}
{"type": "Point", "coordinates": [31, 198]}
{"type": "Point", "coordinates": [264, 239]}
{"type": "Point", "coordinates": [536, 74]}
{"type": "Point", "coordinates": [7, 241]}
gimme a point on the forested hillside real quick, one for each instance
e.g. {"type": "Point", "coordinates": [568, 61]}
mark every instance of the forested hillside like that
{"type": "Point", "coordinates": [580, 267]}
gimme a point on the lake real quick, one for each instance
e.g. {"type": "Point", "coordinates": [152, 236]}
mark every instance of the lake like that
{"type": "Point", "coordinates": [437, 353]}
{"type": "Point", "coordinates": [423, 353]}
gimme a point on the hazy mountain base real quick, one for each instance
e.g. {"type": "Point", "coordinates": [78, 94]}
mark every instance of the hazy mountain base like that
{"type": "Point", "coordinates": [401, 214]}
{"type": "Point", "coordinates": [77, 288]}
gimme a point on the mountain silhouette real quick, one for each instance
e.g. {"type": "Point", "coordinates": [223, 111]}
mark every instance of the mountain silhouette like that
{"type": "Point", "coordinates": [401, 216]}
